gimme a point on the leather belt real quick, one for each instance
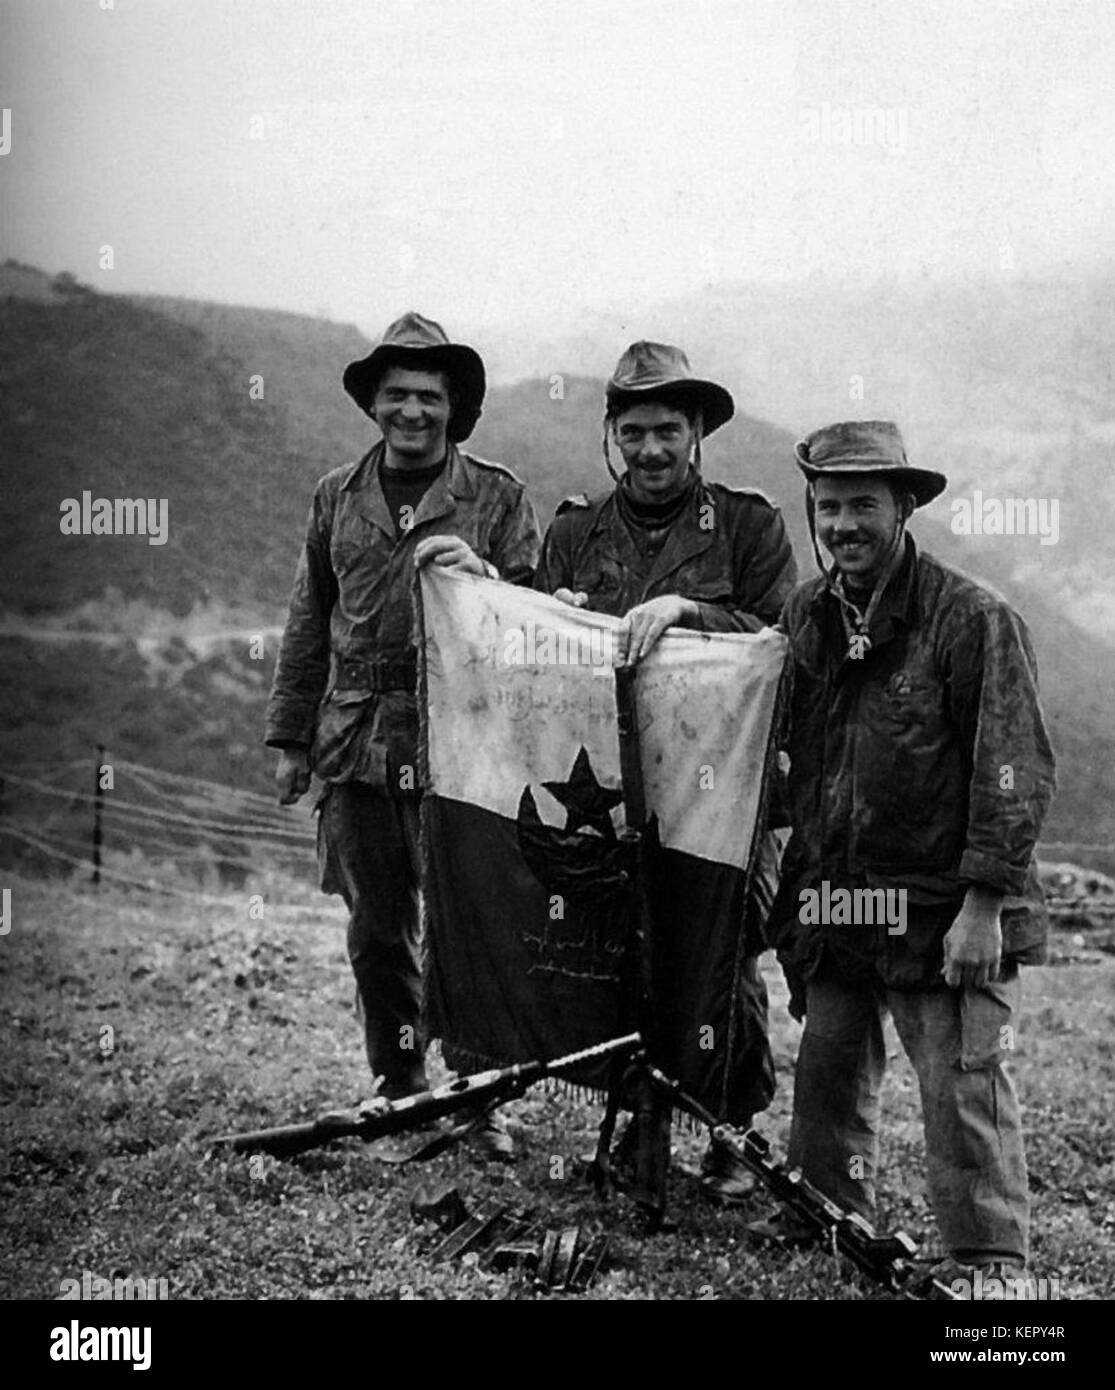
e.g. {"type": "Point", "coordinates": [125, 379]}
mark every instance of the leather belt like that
{"type": "Point", "coordinates": [378, 676]}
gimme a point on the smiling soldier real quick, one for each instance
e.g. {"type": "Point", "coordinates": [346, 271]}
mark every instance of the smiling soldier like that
{"type": "Point", "coordinates": [343, 702]}
{"type": "Point", "coordinates": [664, 548]}
{"type": "Point", "coordinates": [919, 764]}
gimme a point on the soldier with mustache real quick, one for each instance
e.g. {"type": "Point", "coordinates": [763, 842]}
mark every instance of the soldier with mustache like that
{"type": "Point", "coordinates": [920, 765]}
{"type": "Point", "coordinates": [666, 548]}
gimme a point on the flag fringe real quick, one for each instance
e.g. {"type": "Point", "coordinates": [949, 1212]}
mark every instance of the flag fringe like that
{"type": "Point", "coordinates": [466, 1060]}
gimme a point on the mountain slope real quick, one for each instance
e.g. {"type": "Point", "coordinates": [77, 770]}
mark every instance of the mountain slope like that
{"type": "Point", "coordinates": [150, 398]}
{"type": "Point", "coordinates": [1006, 384]}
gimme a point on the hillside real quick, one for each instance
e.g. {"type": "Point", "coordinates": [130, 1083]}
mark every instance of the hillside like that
{"type": "Point", "coordinates": [1006, 384]}
{"type": "Point", "coordinates": [149, 397]}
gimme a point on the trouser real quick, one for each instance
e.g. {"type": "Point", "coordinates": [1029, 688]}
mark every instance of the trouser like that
{"type": "Point", "coordinates": [755, 1063]}
{"type": "Point", "coordinates": [751, 1088]}
{"type": "Point", "coordinates": [368, 853]}
{"type": "Point", "coordinates": [956, 1041]}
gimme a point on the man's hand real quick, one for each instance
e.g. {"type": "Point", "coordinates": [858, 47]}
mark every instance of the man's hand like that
{"type": "Point", "coordinates": [974, 942]}
{"type": "Point", "coordinates": [575, 600]}
{"type": "Point", "coordinates": [450, 551]}
{"type": "Point", "coordinates": [644, 625]}
{"type": "Point", "coordinates": [292, 776]}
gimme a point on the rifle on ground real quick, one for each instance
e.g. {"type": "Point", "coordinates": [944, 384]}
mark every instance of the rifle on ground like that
{"type": "Point", "coordinates": [478, 1092]}
{"type": "Point", "coordinates": [888, 1260]}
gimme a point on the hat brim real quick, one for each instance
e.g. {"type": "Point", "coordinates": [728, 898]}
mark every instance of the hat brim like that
{"type": "Point", "coordinates": [714, 402]}
{"type": "Point", "coordinates": [462, 364]}
{"type": "Point", "coordinates": [924, 483]}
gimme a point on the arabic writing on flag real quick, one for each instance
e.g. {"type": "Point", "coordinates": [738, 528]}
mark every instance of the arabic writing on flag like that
{"type": "Point", "coordinates": [527, 904]}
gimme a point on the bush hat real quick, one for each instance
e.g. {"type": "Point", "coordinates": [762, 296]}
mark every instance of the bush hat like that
{"type": "Point", "coordinates": [652, 371]}
{"type": "Point", "coordinates": [422, 345]}
{"type": "Point", "coordinates": [866, 446]}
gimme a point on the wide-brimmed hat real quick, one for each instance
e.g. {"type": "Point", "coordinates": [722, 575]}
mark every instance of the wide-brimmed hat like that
{"type": "Point", "coordinates": [420, 343]}
{"type": "Point", "coordinates": [866, 446]}
{"type": "Point", "coordinates": [650, 371]}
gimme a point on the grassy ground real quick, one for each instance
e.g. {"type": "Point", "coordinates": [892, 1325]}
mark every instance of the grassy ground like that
{"type": "Point", "coordinates": [133, 1030]}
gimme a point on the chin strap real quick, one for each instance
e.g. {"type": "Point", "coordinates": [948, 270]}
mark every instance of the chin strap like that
{"type": "Point", "coordinates": [811, 518]}
{"type": "Point", "coordinates": [857, 626]}
{"type": "Point", "coordinates": [607, 456]}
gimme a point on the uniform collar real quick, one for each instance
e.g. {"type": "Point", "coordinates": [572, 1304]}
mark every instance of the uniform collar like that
{"type": "Point", "coordinates": [456, 483]}
{"type": "Point", "coordinates": [899, 605]}
{"type": "Point", "coordinates": [686, 537]}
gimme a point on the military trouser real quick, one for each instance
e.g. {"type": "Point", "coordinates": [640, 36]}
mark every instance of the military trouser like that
{"type": "Point", "coordinates": [956, 1041]}
{"type": "Point", "coordinates": [368, 853]}
{"type": "Point", "coordinates": [754, 1086]}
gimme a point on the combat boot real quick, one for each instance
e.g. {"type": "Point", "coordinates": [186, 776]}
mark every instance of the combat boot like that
{"type": "Point", "coordinates": [725, 1179]}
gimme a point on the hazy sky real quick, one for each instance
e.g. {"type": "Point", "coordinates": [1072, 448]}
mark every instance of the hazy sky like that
{"type": "Point", "coordinates": [490, 161]}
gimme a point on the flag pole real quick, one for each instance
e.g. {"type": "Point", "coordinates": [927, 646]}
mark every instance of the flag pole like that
{"type": "Point", "coordinates": [651, 1117]}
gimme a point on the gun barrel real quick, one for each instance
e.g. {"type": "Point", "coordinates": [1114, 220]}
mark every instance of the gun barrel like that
{"type": "Point", "coordinates": [466, 1092]}
{"type": "Point", "coordinates": [285, 1140]}
{"type": "Point", "coordinates": [615, 1047]}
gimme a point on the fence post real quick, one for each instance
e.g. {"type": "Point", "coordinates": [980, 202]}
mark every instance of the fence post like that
{"type": "Point", "coordinates": [98, 798]}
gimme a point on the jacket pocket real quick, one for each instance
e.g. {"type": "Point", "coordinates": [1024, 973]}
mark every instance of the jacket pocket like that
{"type": "Point", "coordinates": [341, 721]}
{"type": "Point", "coordinates": [349, 697]}
{"type": "Point", "coordinates": [602, 581]}
{"type": "Point", "coordinates": [906, 707]}
{"type": "Point", "coordinates": [704, 587]}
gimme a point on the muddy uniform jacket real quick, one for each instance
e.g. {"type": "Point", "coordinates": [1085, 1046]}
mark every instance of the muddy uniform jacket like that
{"type": "Point", "coordinates": [922, 765]}
{"type": "Point", "coordinates": [727, 551]}
{"type": "Point", "coordinates": [345, 678]}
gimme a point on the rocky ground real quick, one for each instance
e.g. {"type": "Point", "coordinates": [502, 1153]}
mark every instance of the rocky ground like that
{"type": "Point", "coordinates": [134, 1029]}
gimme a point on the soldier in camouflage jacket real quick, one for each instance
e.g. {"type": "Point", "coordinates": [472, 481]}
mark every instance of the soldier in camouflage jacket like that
{"type": "Point", "coordinates": [343, 702]}
{"type": "Point", "coordinates": [664, 548]}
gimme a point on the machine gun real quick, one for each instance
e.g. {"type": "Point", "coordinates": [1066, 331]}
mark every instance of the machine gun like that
{"type": "Point", "coordinates": [381, 1118]}
{"type": "Point", "coordinates": [886, 1259]}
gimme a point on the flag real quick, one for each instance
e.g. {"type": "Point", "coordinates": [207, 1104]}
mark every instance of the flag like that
{"type": "Point", "coordinates": [527, 902]}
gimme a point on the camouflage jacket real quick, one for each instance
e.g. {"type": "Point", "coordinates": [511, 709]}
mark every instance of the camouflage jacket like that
{"type": "Point", "coordinates": [727, 551]}
{"type": "Point", "coordinates": [923, 765]}
{"type": "Point", "coordinates": [345, 678]}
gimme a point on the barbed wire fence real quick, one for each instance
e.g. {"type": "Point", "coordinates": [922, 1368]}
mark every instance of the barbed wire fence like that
{"type": "Point", "coordinates": [142, 827]}
{"type": "Point", "coordinates": [146, 828]}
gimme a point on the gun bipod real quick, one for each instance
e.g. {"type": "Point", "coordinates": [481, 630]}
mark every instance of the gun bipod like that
{"type": "Point", "coordinates": [644, 1149]}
